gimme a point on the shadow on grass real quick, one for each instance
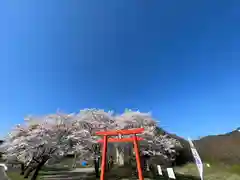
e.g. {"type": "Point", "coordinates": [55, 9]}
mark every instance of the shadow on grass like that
{"type": "Point", "coordinates": [116, 173]}
{"type": "Point", "coordinates": [131, 173]}
{"type": "Point", "coordinates": [186, 177]}
{"type": "Point", "coordinates": [52, 168]}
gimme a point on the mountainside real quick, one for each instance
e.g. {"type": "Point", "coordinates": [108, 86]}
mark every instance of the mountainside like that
{"type": "Point", "coordinates": [224, 148]}
{"type": "Point", "coordinates": [220, 148]}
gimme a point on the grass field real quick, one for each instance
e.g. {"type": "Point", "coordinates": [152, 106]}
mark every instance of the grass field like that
{"type": "Point", "coordinates": [15, 176]}
{"type": "Point", "coordinates": [214, 172]}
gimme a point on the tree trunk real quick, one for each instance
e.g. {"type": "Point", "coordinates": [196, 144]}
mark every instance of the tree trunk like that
{"type": "Point", "coordinates": [120, 156]}
{"type": "Point", "coordinates": [38, 168]}
{"type": "Point", "coordinates": [120, 153]}
{"type": "Point", "coordinates": [74, 160]}
{"type": "Point", "coordinates": [129, 153]}
{"type": "Point", "coordinates": [29, 170]}
{"type": "Point", "coordinates": [96, 166]}
{"type": "Point", "coordinates": [22, 169]}
{"type": "Point", "coordinates": [147, 165]}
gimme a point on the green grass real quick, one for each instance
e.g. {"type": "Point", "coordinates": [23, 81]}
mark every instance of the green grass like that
{"type": "Point", "coordinates": [235, 169]}
{"type": "Point", "coordinates": [214, 172]}
{"type": "Point", "coordinates": [16, 176]}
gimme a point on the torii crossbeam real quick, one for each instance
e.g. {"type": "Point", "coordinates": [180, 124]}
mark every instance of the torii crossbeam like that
{"type": "Point", "coordinates": [133, 139]}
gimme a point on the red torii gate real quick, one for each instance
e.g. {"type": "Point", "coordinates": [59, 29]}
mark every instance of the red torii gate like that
{"type": "Point", "coordinates": [133, 139]}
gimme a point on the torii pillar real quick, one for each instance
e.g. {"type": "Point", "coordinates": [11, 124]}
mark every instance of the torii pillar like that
{"type": "Point", "coordinates": [133, 139]}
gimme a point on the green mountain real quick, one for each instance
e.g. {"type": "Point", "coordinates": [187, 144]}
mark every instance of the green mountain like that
{"type": "Point", "coordinates": [223, 148]}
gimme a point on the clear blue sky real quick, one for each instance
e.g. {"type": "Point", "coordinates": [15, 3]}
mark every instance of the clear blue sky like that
{"type": "Point", "coordinates": [178, 59]}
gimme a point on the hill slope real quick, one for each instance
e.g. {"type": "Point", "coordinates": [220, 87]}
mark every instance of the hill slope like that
{"type": "Point", "coordinates": [223, 148]}
{"type": "Point", "coordinates": [220, 148]}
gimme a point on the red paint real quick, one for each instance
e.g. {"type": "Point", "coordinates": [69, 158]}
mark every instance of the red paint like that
{"type": "Point", "coordinates": [122, 132]}
{"type": "Point", "coordinates": [104, 156]}
{"type": "Point", "coordinates": [136, 149]}
{"type": "Point", "coordinates": [131, 139]}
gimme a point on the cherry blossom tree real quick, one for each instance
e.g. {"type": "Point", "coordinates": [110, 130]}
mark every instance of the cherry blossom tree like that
{"type": "Point", "coordinates": [91, 120]}
{"type": "Point", "coordinates": [43, 138]}
{"type": "Point", "coordinates": [153, 142]}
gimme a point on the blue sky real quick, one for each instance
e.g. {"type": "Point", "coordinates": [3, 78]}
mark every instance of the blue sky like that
{"type": "Point", "coordinates": [177, 59]}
